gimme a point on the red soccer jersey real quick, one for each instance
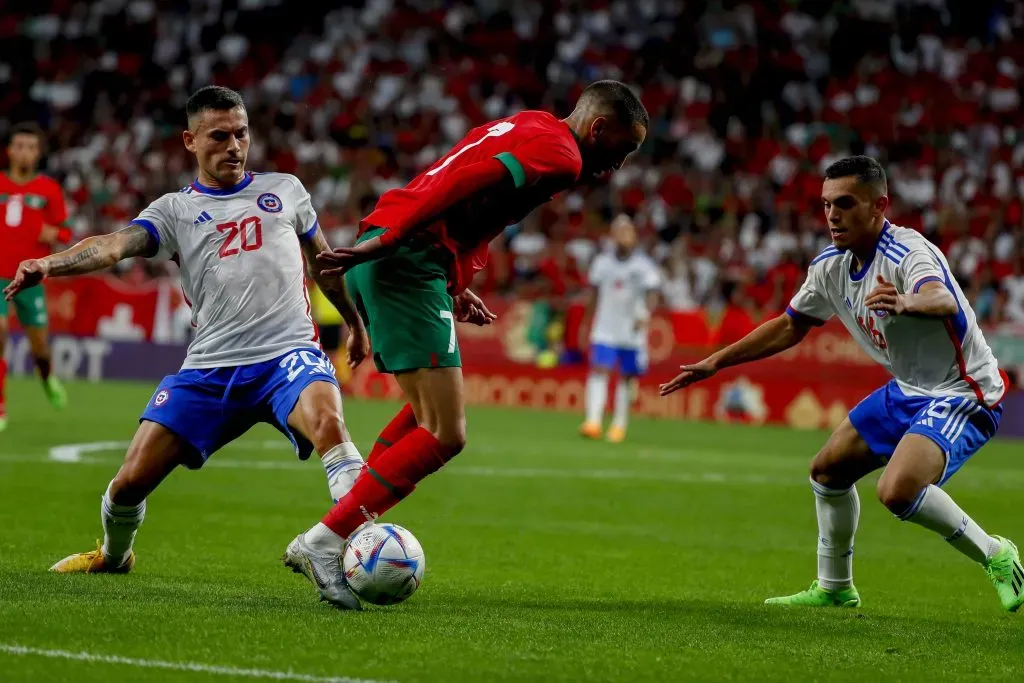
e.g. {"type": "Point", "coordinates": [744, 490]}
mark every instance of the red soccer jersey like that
{"type": "Point", "coordinates": [539, 151]}
{"type": "Point", "coordinates": [24, 210]}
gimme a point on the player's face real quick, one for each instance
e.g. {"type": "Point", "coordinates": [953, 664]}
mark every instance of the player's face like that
{"type": "Point", "coordinates": [24, 151]}
{"type": "Point", "coordinates": [607, 145]}
{"type": "Point", "coordinates": [220, 141]}
{"type": "Point", "coordinates": [624, 235]}
{"type": "Point", "coordinates": [851, 210]}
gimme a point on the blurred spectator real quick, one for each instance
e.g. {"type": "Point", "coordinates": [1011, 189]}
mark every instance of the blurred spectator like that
{"type": "Point", "coordinates": [749, 102]}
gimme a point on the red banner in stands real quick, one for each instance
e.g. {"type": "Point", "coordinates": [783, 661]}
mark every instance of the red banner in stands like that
{"type": "Point", "coordinates": [110, 308]}
{"type": "Point", "coordinates": [813, 385]}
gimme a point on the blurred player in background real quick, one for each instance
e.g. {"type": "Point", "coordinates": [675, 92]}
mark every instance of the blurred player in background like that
{"type": "Point", "coordinates": [624, 288]}
{"type": "Point", "coordinates": [409, 272]}
{"type": "Point", "coordinates": [33, 219]}
{"type": "Point", "coordinates": [893, 291]}
{"type": "Point", "coordinates": [239, 239]}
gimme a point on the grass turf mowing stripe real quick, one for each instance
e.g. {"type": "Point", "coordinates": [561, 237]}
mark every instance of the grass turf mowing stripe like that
{"type": "Point", "coordinates": [178, 666]}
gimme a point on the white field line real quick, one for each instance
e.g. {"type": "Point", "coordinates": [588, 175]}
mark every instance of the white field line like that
{"type": "Point", "coordinates": [196, 667]}
{"type": "Point", "coordinates": [73, 453]}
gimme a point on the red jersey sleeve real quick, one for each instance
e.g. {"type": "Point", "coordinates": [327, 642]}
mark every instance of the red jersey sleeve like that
{"type": "Point", "coordinates": [543, 157]}
{"type": "Point", "coordinates": [56, 209]}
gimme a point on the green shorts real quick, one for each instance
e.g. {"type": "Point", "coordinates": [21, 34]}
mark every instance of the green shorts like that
{"type": "Point", "coordinates": [29, 305]}
{"type": "Point", "coordinates": [404, 302]}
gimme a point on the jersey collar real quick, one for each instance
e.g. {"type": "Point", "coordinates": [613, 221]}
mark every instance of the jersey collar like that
{"type": "Point", "coordinates": [223, 191]}
{"type": "Point", "coordinates": [859, 275]}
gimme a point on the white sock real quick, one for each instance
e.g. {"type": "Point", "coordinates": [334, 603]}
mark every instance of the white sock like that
{"type": "Point", "coordinates": [838, 511]}
{"type": "Point", "coordinates": [623, 394]}
{"type": "Point", "coordinates": [597, 396]}
{"type": "Point", "coordinates": [120, 522]}
{"type": "Point", "coordinates": [321, 538]}
{"type": "Point", "coordinates": [343, 463]}
{"type": "Point", "coordinates": [934, 509]}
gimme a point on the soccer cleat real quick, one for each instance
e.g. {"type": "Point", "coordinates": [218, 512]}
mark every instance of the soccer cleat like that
{"type": "Point", "coordinates": [92, 562]}
{"type": "Point", "coordinates": [590, 430]}
{"type": "Point", "coordinates": [616, 434]}
{"type": "Point", "coordinates": [1007, 575]}
{"type": "Point", "coordinates": [3, 420]}
{"type": "Point", "coordinates": [324, 571]}
{"type": "Point", "coordinates": [56, 392]}
{"type": "Point", "coordinates": [816, 596]}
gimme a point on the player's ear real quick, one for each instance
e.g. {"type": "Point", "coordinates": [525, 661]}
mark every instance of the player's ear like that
{"type": "Point", "coordinates": [189, 138]}
{"type": "Point", "coordinates": [598, 127]}
{"type": "Point", "coordinates": [881, 204]}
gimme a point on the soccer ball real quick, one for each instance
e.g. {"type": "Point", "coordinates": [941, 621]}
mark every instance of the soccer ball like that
{"type": "Point", "coordinates": [384, 564]}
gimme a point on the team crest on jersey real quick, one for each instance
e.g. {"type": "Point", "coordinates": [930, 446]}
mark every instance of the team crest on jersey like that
{"type": "Point", "coordinates": [162, 397]}
{"type": "Point", "coordinates": [269, 202]}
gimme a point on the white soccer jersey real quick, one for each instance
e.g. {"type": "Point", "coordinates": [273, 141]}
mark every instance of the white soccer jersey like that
{"type": "Point", "coordinates": [927, 356]}
{"type": "Point", "coordinates": [622, 287]}
{"type": "Point", "coordinates": [241, 266]}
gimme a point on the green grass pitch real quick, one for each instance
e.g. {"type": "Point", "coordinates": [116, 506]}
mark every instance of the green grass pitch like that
{"type": "Point", "coordinates": [548, 559]}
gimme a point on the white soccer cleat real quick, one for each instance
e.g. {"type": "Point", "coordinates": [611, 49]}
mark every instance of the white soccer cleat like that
{"type": "Point", "coordinates": [324, 572]}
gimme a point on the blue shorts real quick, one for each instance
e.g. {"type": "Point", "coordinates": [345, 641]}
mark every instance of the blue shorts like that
{"type": "Point", "coordinates": [960, 426]}
{"type": "Point", "coordinates": [630, 362]}
{"type": "Point", "coordinates": [209, 408]}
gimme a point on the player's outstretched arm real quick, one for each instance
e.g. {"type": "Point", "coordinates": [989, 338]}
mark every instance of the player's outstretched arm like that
{"type": "Point", "coordinates": [336, 292]}
{"type": "Point", "coordinates": [774, 336]}
{"type": "Point", "coordinates": [89, 255]}
{"type": "Point", "coordinates": [932, 300]}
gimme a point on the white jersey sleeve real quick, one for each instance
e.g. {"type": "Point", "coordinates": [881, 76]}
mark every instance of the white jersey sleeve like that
{"type": "Point", "coordinates": [160, 219]}
{"type": "Point", "coordinates": [811, 304]}
{"type": "Point", "coordinates": [305, 215]}
{"type": "Point", "coordinates": [598, 269]}
{"type": "Point", "coordinates": [916, 268]}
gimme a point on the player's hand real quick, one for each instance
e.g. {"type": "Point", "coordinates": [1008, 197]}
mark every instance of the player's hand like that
{"type": "Point", "coordinates": [343, 259]}
{"type": "Point", "coordinates": [691, 374]}
{"type": "Point", "coordinates": [469, 308]}
{"type": "Point", "coordinates": [885, 297]}
{"type": "Point", "coordinates": [49, 234]}
{"type": "Point", "coordinates": [357, 346]}
{"type": "Point", "coordinates": [30, 273]}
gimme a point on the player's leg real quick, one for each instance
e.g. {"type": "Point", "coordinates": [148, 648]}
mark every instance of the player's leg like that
{"type": "Point", "coordinates": [3, 363]}
{"type": "Point", "coordinates": [602, 361]}
{"type": "Point", "coordinates": [945, 435]}
{"type": "Point", "coordinates": [154, 453]}
{"type": "Point", "coordinates": [30, 306]}
{"type": "Point", "coordinates": [436, 397]}
{"type": "Point", "coordinates": [317, 418]}
{"type": "Point", "coordinates": [842, 461]}
{"type": "Point", "coordinates": [401, 424]}
{"type": "Point", "coordinates": [632, 365]}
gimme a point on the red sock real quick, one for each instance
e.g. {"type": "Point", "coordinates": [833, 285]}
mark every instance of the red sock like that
{"type": "Point", "coordinates": [400, 425]}
{"type": "Point", "coordinates": [393, 476]}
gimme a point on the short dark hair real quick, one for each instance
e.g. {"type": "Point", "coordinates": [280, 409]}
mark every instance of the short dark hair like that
{"type": "Point", "coordinates": [26, 128]}
{"type": "Point", "coordinates": [619, 98]}
{"type": "Point", "coordinates": [212, 97]}
{"type": "Point", "coordinates": [866, 169]}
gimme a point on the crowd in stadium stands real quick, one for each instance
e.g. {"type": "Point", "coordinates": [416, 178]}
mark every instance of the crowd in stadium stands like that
{"type": "Point", "coordinates": [749, 102]}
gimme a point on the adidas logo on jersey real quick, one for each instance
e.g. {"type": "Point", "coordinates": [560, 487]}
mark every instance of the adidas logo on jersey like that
{"type": "Point", "coordinates": [203, 218]}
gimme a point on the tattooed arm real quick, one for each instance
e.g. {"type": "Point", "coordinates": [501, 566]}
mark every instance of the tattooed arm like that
{"type": "Point", "coordinates": [91, 254]}
{"type": "Point", "coordinates": [336, 292]}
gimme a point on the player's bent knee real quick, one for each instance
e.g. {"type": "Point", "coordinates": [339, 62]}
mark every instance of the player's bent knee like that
{"type": "Point", "coordinates": [897, 494]}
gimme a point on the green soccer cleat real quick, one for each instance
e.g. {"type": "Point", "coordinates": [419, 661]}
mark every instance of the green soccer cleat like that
{"type": "Point", "coordinates": [815, 596]}
{"type": "Point", "coordinates": [3, 422]}
{"type": "Point", "coordinates": [56, 392]}
{"type": "Point", "coordinates": [1007, 575]}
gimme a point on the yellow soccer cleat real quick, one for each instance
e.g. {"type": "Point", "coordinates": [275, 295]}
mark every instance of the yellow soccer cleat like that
{"type": "Point", "coordinates": [590, 430]}
{"type": "Point", "coordinates": [92, 562]}
{"type": "Point", "coordinates": [616, 434]}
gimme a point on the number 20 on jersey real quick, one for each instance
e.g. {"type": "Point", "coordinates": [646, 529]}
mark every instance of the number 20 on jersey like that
{"type": "Point", "coordinates": [239, 237]}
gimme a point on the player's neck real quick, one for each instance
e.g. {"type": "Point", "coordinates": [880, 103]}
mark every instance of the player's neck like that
{"type": "Point", "coordinates": [207, 180]}
{"type": "Point", "coordinates": [865, 250]}
{"type": "Point", "coordinates": [21, 176]}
